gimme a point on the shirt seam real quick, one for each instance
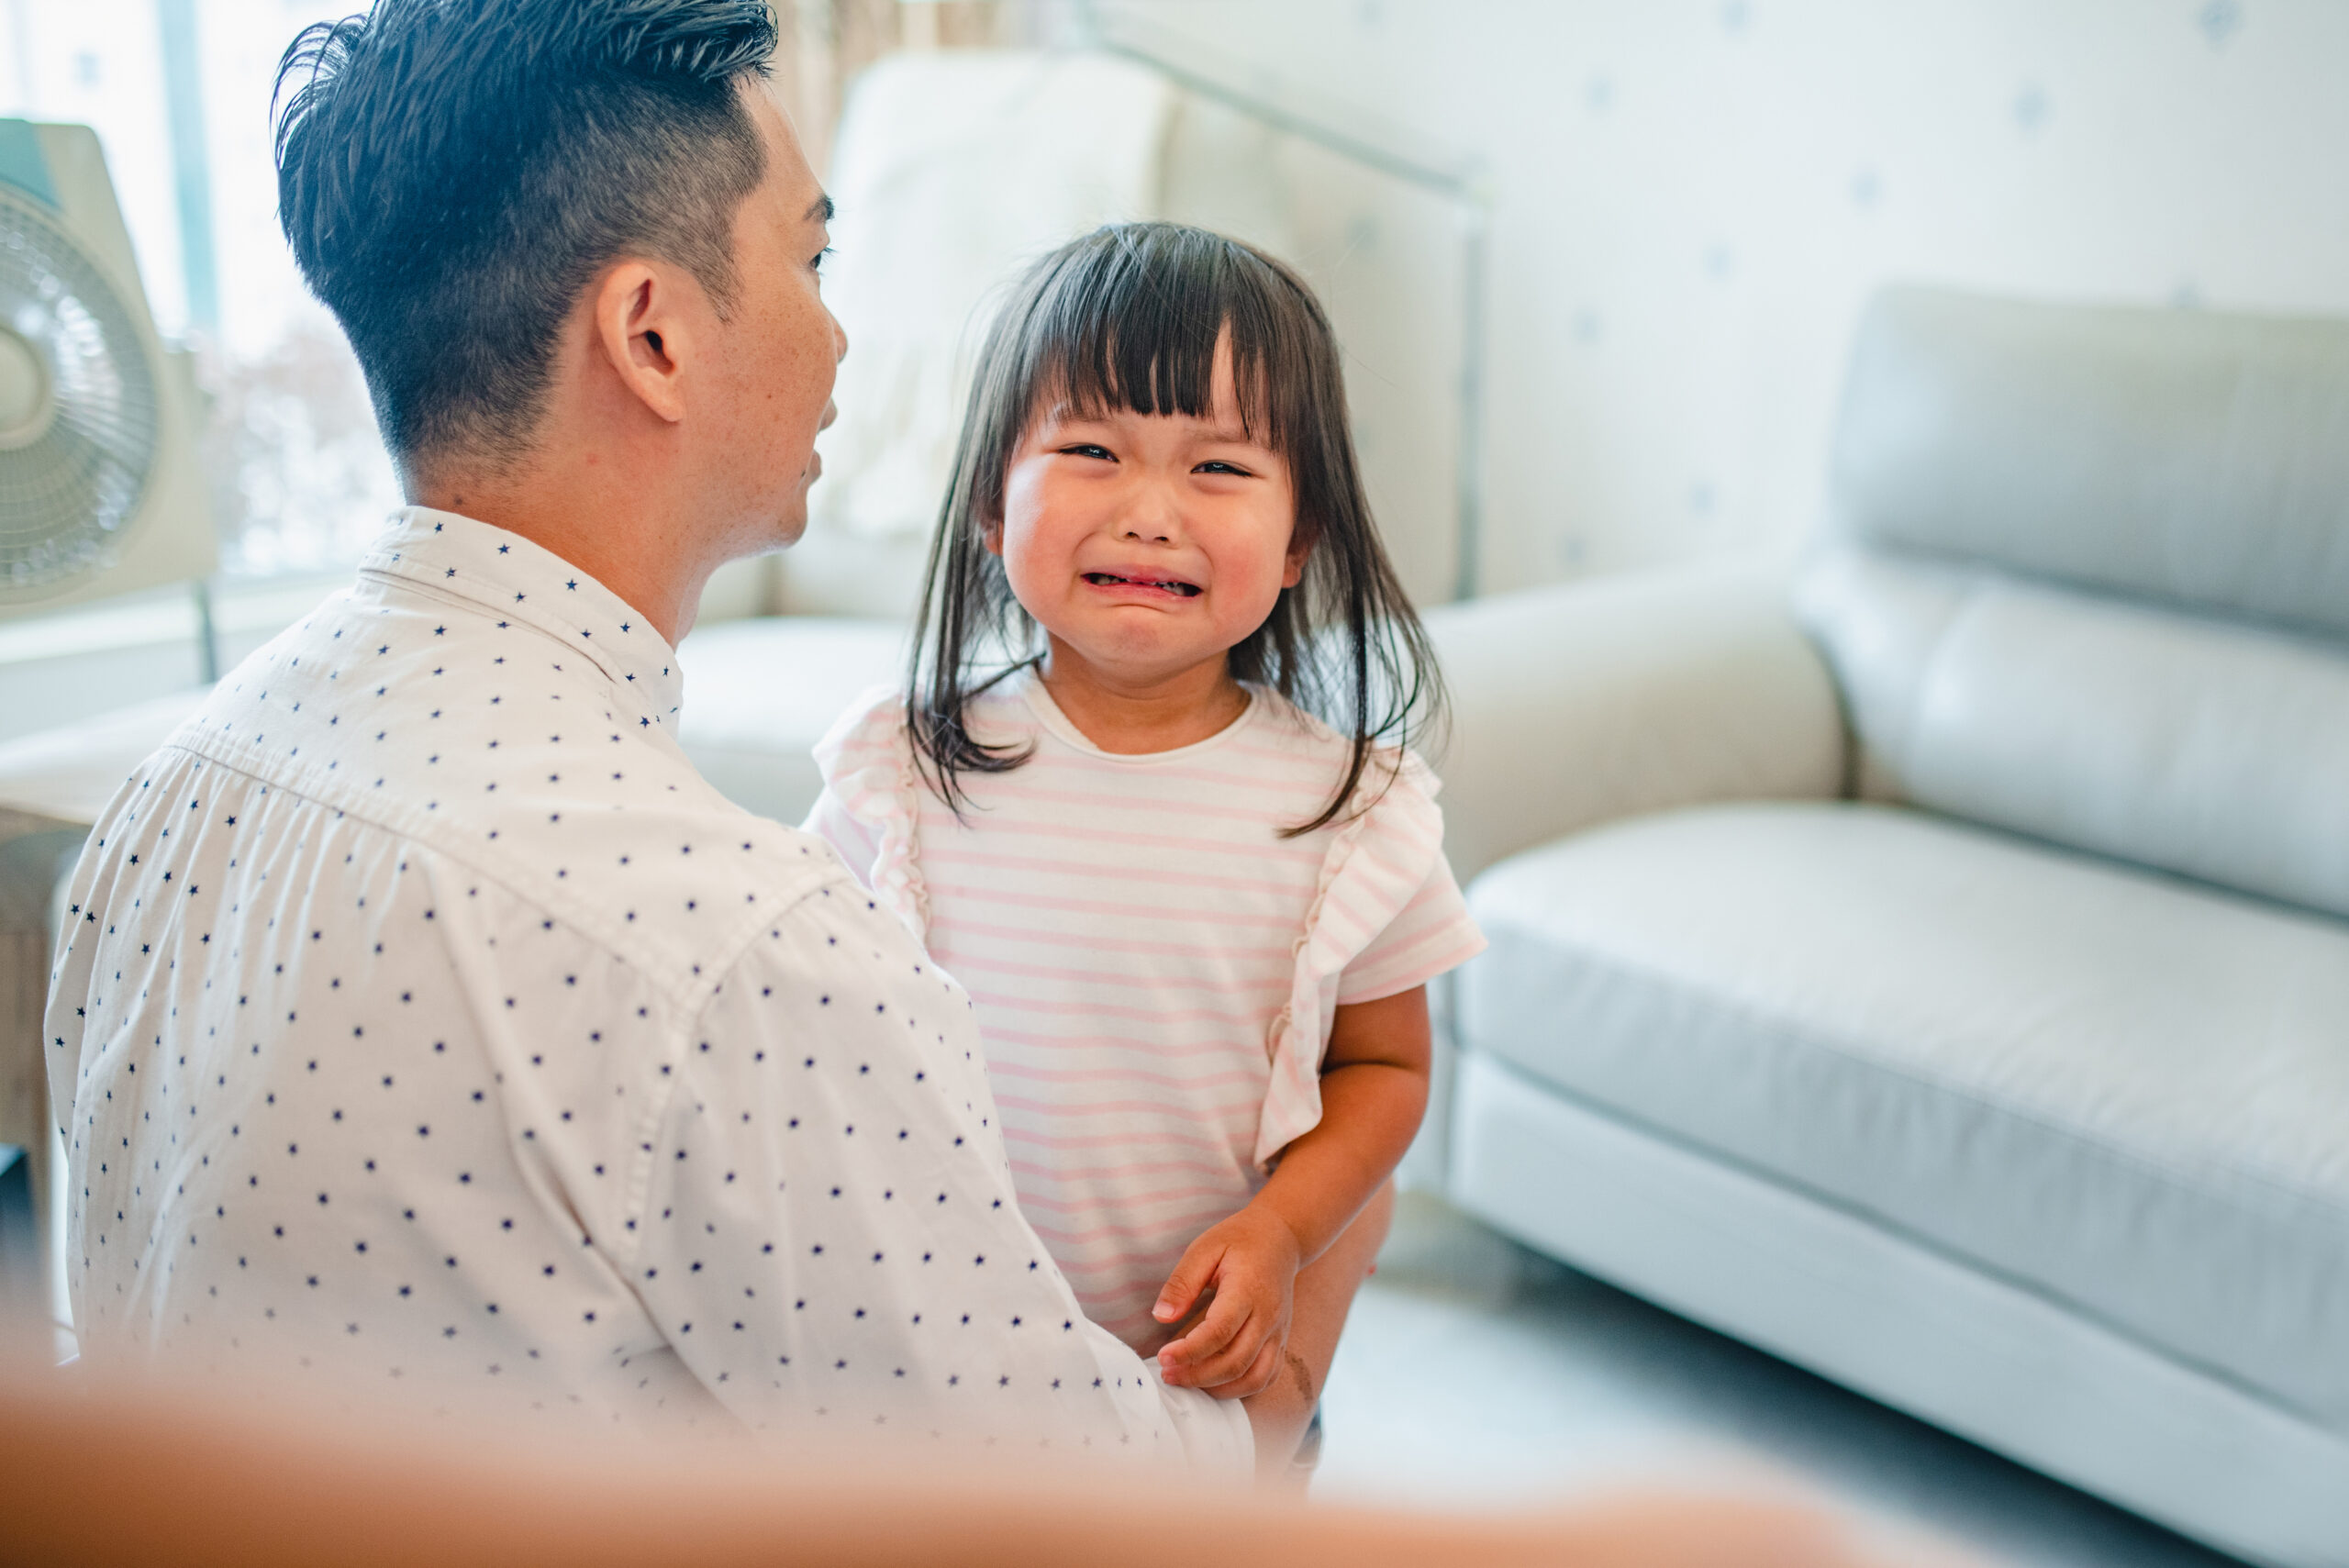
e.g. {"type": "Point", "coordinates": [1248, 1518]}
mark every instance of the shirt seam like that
{"type": "Point", "coordinates": [676, 1049]}
{"type": "Point", "coordinates": [688, 1001]}
{"type": "Point", "coordinates": [678, 991]}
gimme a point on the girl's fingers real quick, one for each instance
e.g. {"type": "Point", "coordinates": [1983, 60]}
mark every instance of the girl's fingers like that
{"type": "Point", "coordinates": [1211, 1335]}
{"type": "Point", "coordinates": [1237, 1352]}
{"type": "Point", "coordinates": [1260, 1376]}
{"type": "Point", "coordinates": [1190, 1276]}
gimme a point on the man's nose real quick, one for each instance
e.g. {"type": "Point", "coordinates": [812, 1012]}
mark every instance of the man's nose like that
{"type": "Point", "coordinates": [839, 338]}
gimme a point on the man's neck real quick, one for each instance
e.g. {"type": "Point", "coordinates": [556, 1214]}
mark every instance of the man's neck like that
{"type": "Point", "coordinates": [576, 511]}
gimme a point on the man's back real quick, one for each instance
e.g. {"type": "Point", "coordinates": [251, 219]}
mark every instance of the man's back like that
{"type": "Point", "coordinates": [429, 1025]}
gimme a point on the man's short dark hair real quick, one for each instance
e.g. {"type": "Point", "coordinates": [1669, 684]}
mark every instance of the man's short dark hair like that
{"type": "Point", "coordinates": [453, 174]}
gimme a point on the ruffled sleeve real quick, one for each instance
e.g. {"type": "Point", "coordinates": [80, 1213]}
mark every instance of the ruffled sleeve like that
{"type": "Point", "coordinates": [870, 808]}
{"type": "Point", "coordinates": [1376, 862]}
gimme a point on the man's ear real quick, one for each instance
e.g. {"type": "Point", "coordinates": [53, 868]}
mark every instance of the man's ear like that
{"type": "Point", "coordinates": [643, 336]}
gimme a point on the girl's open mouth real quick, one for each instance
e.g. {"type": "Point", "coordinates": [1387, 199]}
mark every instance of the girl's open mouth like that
{"type": "Point", "coordinates": [1174, 585]}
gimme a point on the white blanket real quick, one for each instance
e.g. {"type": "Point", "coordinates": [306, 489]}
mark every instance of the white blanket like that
{"type": "Point", "coordinates": [951, 171]}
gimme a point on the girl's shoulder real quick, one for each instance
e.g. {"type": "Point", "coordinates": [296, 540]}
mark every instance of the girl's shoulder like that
{"type": "Point", "coordinates": [1387, 770]}
{"type": "Point", "coordinates": [866, 759]}
{"type": "Point", "coordinates": [868, 728]}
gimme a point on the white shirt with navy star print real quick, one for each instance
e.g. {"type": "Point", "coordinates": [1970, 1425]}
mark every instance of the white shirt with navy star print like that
{"type": "Point", "coordinates": [426, 1024]}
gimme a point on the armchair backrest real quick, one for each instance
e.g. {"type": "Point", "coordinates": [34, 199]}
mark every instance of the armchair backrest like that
{"type": "Point", "coordinates": [2085, 576]}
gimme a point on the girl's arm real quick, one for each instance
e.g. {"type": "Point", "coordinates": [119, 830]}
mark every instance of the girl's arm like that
{"type": "Point", "coordinates": [1325, 1294]}
{"type": "Point", "coordinates": [1373, 1091]}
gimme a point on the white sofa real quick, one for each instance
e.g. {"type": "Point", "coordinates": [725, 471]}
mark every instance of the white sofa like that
{"type": "Point", "coordinates": [1937, 973]}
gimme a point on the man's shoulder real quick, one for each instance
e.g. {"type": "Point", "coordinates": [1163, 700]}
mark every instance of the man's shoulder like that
{"type": "Point", "coordinates": [684, 874]}
{"type": "Point", "coordinates": [522, 769]}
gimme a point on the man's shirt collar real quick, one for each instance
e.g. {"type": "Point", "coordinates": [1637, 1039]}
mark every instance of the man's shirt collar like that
{"type": "Point", "coordinates": [514, 580]}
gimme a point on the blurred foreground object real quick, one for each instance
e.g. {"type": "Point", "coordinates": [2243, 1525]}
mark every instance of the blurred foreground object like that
{"type": "Point", "coordinates": [94, 1473]}
{"type": "Point", "coordinates": [1940, 978]}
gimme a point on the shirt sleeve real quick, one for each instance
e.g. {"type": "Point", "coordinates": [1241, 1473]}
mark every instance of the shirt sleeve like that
{"type": "Point", "coordinates": [858, 844]}
{"type": "Point", "coordinates": [829, 1239]}
{"type": "Point", "coordinates": [852, 757]}
{"type": "Point", "coordinates": [1431, 934]}
{"type": "Point", "coordinates": [869, 809]}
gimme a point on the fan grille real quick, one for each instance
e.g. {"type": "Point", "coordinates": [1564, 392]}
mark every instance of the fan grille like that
{"type": "Point", "coordinates": [67, 495]}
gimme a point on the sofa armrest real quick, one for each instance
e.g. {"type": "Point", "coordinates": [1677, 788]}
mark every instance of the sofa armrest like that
{"type": "Point", "coordinates": [1604, 698]}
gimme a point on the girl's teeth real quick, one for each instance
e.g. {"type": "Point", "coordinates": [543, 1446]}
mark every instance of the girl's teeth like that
{"type": "Point", "coordinates": [1165, 586]}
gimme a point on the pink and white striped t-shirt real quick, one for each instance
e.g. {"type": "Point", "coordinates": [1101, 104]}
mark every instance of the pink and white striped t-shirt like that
{"type": "Point", "coordinates": [1154, 967]}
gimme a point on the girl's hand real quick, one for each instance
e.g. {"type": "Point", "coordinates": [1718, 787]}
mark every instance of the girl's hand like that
{"type": "Point", "coordinates": [1246, 1270]}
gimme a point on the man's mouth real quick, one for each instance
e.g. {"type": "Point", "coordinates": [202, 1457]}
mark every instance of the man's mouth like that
{"type": "Point", "coordinates": [1174, 585]}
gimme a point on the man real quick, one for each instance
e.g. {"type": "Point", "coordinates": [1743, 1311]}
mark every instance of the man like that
{"type": "Point", "coordinates": [426, 1026]}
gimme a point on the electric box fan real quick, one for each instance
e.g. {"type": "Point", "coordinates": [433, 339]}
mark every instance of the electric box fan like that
{"type": "Point", "coordinates": [99, 489]}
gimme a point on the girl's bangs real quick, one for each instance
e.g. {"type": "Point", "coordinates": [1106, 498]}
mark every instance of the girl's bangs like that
{"type": "Point", "coordinates": [1134, 327]}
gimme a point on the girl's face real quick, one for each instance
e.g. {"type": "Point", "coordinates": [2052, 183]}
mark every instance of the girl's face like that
{"type": "Point", "coordinates": [1148, 545]}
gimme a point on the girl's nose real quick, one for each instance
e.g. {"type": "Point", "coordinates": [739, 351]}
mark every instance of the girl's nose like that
{"type": "Point", "coordinates": [1152, 520]}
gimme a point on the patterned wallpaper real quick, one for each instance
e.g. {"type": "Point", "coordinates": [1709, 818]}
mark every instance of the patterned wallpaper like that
{"type": "Point", "coordinates": [1694, 198]}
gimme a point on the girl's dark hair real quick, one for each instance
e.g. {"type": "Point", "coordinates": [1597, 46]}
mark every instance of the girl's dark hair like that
{"type": "Point", "coordinates": [1130, 316]}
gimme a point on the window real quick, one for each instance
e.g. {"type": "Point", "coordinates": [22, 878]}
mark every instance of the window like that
{"type": "Point", "coordinates": [178, 92]}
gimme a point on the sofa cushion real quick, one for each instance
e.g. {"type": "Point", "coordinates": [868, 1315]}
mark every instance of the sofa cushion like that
{"type": "Point", "coordinates": [2207, 747]}
{"type": "Point", "coordinates": [760, 692]}
{"type": "Point", "coordinates": [2126, 1092]}
{"type": "Point", "coordinates": [2198, 458]}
